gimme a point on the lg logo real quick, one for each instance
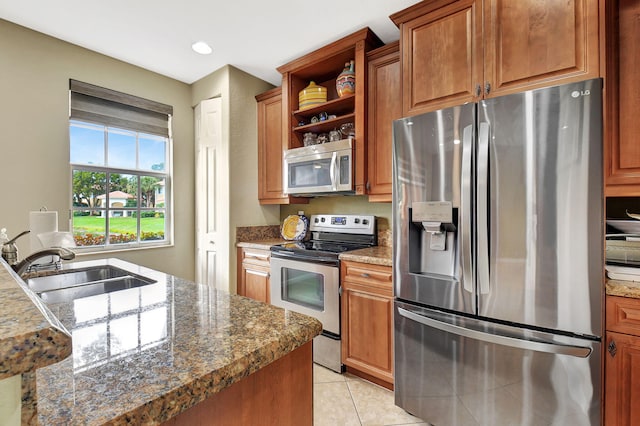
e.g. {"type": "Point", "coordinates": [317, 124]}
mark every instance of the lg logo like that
{"type": "Point", "coordinates": [578, 93]}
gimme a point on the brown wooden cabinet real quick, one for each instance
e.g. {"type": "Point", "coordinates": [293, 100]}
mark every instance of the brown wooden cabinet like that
{"type": "Point", "coordinates": [367, 321]}
{"type": "Point", "coordinates": [271, 146]}
{"type": "Point", "coordinates": [622, 362]}
{"type": "Point", "coordinates": [461, 51]}
{"type": "Point", "coordinates": [254, 273]}
{"type": "Point", "coordinates": [323, 66]}
{"type": "Point", "coordinates": [622, 99]}
{"type": "Point", "coordinates": [384, 104]}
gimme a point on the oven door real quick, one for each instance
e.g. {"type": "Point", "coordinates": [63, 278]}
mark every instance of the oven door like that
{"type": "Point", "coordinates": [308, 288]}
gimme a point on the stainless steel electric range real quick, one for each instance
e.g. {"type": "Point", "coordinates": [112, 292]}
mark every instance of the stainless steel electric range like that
{"type": "Point", "coordinates": [305, 275]}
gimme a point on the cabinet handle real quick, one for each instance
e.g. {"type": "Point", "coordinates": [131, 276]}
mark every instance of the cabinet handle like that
{"type": "Point", "coordinates": [478, 90]}
{"type": "Point", "coordinates": [487, 88]}
{"type": "Point", "coordinates": [365, 275]}
{"type": "Point", "coordinates": [612, 348]}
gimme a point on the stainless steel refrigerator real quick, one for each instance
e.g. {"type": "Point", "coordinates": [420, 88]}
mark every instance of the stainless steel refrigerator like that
{"type": "Point", "coordinates": [498, 259]}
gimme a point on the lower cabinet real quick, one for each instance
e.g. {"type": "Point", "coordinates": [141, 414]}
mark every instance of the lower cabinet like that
{"type": "Point", "coordinates": [367, 321]}
{"type": "Point", "coordinates": [253, 273]}
{"type": "Point", "coordinates": [622, 362]}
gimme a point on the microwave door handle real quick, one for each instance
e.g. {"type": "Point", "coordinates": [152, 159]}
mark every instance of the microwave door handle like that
{"type": "Point", "coordinates": [332, 171]}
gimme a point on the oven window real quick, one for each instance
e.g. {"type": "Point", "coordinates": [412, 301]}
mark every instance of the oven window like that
{"type": "Point", "coordinates": [303, 288]}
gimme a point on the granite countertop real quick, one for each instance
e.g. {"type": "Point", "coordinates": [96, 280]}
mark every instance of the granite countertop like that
{"type": "Point", "coordinates": [261, 244]}
{"type": "Point", "coordinates": [378, 255]}
{"type": "Point", "coordinates": [622, 288]}
{"type": "Point", "coordinates": [30, 336]}
{"type": "Point", "coordinates": [143, 355]}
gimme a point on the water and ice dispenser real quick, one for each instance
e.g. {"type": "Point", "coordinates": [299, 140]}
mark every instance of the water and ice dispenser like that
{"type": "Point", "coordinates": [433, 238]}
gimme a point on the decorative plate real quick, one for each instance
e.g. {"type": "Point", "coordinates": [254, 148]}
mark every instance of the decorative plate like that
{"type": "Point", "coordinates": [295, 227]}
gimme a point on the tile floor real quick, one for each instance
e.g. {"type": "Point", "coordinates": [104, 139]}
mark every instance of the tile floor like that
{"type": "Point", "coordinates": [344, 399]}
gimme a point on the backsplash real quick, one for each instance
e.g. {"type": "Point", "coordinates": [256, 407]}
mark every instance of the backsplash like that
{"type": "Point", "coordinates": [257, 233]}
{"type": "Point", "coordinates": [384, 238]}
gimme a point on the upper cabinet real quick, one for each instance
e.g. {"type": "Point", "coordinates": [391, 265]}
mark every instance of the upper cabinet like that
{"type": "Point", "coordinates": [322, 67]}
{"type": "Point", "coordinates": [622, 99]}
{"type": "Point", "coordinates": [461, 51]}
{"type": "Point", "coordinates": [271, 145]}
{"type": "Point", "coordinates": [384, 104]}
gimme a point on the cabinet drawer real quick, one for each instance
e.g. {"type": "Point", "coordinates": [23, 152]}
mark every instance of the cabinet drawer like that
{"type": "Point", "coordinates": [623, 315]}
{"type": "Point", "coordinates": [371, 276]}
{"type": "Point", "coordinates": [256, 256]}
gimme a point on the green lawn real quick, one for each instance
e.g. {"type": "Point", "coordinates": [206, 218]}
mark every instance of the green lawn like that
{"type": "Point", "coordinates": [117, 225]}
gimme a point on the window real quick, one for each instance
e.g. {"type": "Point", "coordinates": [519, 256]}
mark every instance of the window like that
{"type": "Point", "coordinates": [120, 152]}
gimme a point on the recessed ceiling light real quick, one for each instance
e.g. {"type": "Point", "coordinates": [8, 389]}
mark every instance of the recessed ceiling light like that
{"type": "Point", "coordinates": [201, 47]}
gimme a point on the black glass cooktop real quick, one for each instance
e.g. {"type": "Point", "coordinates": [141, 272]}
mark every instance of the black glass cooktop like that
{"type": "Point", "coordinates": [318, 247]}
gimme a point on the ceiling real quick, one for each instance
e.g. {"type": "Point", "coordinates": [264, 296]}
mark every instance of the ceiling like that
{"type": "Point", "coordinates": [255, 36]}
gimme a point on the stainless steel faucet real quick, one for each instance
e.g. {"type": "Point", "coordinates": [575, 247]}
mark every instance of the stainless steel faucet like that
{"type": "Point", "coordinates": [64, 253]}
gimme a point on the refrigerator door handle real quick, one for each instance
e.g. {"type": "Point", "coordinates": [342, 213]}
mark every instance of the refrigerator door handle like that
{"type": "Point", "coordinates": [465, 208]}
{"type": "Point", "coordinates": [547, 347]}
{"type": "Point", "coordinates": [483, 208]}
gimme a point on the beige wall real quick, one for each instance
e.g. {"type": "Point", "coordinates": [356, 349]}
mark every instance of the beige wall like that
{"type": "Point", "coordinates": [239, 131]}
{"type": "Point", "coordinates": [34, 145]}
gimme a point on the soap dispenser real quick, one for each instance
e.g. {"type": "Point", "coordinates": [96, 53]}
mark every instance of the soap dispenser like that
{"type": "Point", "coordinates": [9, 249]}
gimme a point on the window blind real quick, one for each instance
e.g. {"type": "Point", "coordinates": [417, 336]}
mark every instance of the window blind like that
{"type": "Point", "coordinates": [105, 106]}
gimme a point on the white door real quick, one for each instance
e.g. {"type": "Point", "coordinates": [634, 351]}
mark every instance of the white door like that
{"type": "Point", "coordinates": [212, 196]}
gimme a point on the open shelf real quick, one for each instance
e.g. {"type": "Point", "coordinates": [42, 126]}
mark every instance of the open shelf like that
{"type": "Point", "coordinates": [323, 66]}
{"type": "Point", "coordinates": [327, 125]}
{"type": "Point", "coordinates": [337, 106]}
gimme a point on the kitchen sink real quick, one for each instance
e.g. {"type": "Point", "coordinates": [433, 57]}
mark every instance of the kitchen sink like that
{"type": "Point", "coordinates": [74, 284]}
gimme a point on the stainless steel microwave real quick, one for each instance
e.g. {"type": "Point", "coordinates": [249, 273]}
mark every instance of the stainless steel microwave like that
{"type": "Point", "coordinates": [319, 169]}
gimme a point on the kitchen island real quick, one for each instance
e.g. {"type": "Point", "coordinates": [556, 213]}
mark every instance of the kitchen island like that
{"type": "Point", "coordinates": [177, 352]}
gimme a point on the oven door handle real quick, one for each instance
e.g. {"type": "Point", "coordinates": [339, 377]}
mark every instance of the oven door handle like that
{"type": "Point", "coordinates": [285, 255]}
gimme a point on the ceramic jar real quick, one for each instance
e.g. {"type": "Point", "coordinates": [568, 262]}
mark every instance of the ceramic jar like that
{"type": "Point", "coordinates": [346, 81]}
{"type": "Point", "coordinates": [311, 96]}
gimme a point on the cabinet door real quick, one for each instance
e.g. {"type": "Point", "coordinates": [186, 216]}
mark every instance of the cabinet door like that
{"type": "Point", "coordinates": [622, 376]}
{"type": "Point", "coordinates": [442, 57]}
{"type": "Point", "coordinates": [384, 106]}
{"type": "Point", "coordinates": [367, 320]}
{"type": "Point", "coordinates": [539, 43]}
{"type": "Point", "coordinates": [270, 148]}
{"type": "Point", "coordinates": [256, 282]}
{"type": "Point", "coordinates": [622, 153]}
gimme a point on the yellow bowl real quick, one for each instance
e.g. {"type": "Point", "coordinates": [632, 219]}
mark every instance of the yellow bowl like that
{"type": "Point", "coordinates": [312, 95]}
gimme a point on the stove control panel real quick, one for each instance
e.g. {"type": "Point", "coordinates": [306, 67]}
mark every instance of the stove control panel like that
{"type": "Point", "coordinates": [344, 223]}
